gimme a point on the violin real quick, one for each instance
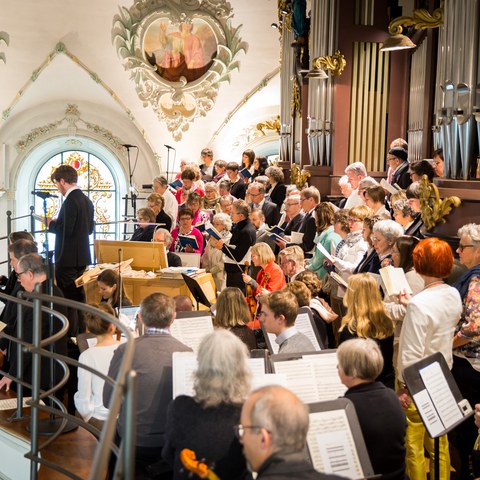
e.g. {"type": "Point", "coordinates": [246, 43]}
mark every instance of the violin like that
{"type": "Point", "coordinates": [250, 298]}
{"type": "Point", "coordinates": [200, 468]}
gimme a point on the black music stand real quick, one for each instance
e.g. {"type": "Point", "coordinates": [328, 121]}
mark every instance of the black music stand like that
{"type": "Point", "coordinates": [427, 404]}
{"type": "Point", "coordinates": [196, 291]}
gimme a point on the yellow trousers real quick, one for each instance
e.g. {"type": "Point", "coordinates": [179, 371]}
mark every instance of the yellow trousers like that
{"type": "Point", "coordinates": [416, 439]}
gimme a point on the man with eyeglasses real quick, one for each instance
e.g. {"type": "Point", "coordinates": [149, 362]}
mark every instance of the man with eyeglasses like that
{"type": "Point", "coordinates": [273, 431]}
{"type": "Point", "coordinates": [271, 212]}
{"type": "Point", "coordinates": [397, 161]}
{"type": "Point", "coordinates": [31, 270]}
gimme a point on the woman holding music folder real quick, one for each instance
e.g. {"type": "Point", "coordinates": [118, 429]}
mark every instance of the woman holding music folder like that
{"type": "Point", "coordinates": [204, 423]}
{"type": "Point", "coordinates": [145, 226]}
{"type": "Point", "coordinates": [428, 327]}
{"type": "Point", "coordinates": [195, 203]}
{"type": "Point", "coordinates": [366, 318]}
{"type": "Point", "coordinates": [186, 238]}
{"type": "Point", "coordinates": [212, 259]}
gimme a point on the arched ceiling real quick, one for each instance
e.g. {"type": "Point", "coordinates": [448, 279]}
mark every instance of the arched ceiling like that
{"type": "Point", "coordinates": [85, 28]}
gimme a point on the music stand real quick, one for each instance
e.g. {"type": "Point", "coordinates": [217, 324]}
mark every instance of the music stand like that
{"type": "Point", "coordinates": [196, 291]}
{"type": "Point", "coordinates": [423, 379]}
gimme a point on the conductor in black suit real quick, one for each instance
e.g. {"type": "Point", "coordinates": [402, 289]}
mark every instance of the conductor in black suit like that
{"type": "Point", "coordinates": [256, 192]}
{"type": "Point", "coordinates": [72, 228]}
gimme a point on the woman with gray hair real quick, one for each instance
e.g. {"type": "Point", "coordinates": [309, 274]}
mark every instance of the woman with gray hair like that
{"type": "Point", "coordinates": [360, 362]}
{"type": "Point", "coordinates": [385, 232]}
{"type": "Point", "coordinates": [212, 258]}
{"type": "Point", "coordinates": [204, 423]}
{"type": "Point", "coordinates": [466, 343]}
{"type": "Point", "coordinates": [403, 213]}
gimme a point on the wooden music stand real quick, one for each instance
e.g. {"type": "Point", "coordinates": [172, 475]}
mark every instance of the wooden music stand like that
{"type": "Point", "coordinates": [146, 255]}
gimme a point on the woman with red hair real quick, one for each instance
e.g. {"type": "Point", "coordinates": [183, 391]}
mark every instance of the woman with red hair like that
{"type": "Point", "coordinates": [428, 327]}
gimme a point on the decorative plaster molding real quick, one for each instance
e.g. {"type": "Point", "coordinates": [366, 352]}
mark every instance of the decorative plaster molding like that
{"type": "Point", "coordinates": [178, 53]}
{"type": "Point", "coordinates": [269, 127]}
{"type": "Point", "coordinates": [72, 117]}
{"type": "Point", "coordinates": [262, 84]}
{"type": "Point", "coordinates": [4, 38]}
{"type": "Point", "coordinates": [60, 48]}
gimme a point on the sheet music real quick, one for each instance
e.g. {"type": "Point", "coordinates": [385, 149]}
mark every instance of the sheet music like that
{"type": "Point", "coordinates": [190, 331]}
{"type": "Point", "coordinates": [300, 378]}
{"type": "Point", "coordinates": [296, 237]}
{"type": "Point", "coordinates": [269, 379]}
{"type": "Point", "coordinates": [390, 188]}
{"type": "Point", "coordinates": [257, 366]}
{"type": "Point", "coordinates": [428, 413]}
{"type": "Point", "coordinates": [395, 280]}
{"type": "Point", "coordinates": [2, 325]}
{"type": "Point", "coordinates": [441, 394]}
{"type": "Point", "coordinates": [326, 375]}
{"type": "Point", "coordinates": [326, 254]}
{"type": "Point", "coordinates": [11, 403]}
{"type": "Point", "coordinates": [314, 378]}
{"type": "Point", "coordinates": [304, 325]}
{"type": "Point", "coordinates": [184, 365]}
{"type": "Point", "coordinates": [331, 444]}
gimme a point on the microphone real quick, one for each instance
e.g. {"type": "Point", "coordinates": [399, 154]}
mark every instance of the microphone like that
{"type": "Point", "coordinates": [169, 147]}
{"type": "Point", "coordinates": [44, 195]}
{"type": "Point", "coordinates": [127, 145]}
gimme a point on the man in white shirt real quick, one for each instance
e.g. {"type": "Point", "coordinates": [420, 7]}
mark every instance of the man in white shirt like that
{"type": "Point", "coordinates": [160, 185]}
{"type": "Point", "coordinates": [355, 172]}
{"type": "Point", "coordinates": [278, 315]}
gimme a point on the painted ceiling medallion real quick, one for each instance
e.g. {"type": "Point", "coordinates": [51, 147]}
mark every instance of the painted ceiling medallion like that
{"type": "Point", "coordinates": [178, 53]}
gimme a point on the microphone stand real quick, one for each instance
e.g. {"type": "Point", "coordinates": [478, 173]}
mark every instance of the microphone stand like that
{"type": "Point", "coordinates": [168, 160]}
{"type": "Point", "coordinates": [130, 178]}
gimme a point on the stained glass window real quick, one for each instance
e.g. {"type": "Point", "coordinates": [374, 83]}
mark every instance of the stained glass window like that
{"type": "Point", "coordinates": [96, 181]}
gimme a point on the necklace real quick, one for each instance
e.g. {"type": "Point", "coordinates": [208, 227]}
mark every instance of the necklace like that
{"type": "Point", "coordinates": [437, 282]}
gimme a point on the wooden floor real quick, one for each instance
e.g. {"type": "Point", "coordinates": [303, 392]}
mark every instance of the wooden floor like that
{"type": "Point", "coordinates": [74, 451]}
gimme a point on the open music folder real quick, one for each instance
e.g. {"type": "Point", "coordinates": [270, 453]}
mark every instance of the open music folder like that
{"type": "Point", "coordinates": [335, 441]}
{"type": "Point", "coordinates": [185, 364]}
{"type": "Point", "coordinates": [436, 395]}
{"type": "Point", "coordinates": [313, 377]}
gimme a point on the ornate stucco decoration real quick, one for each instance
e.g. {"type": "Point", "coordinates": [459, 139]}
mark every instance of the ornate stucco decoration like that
{"type": "Point", "coordinates": [299, 177]}
{"type": "Point", "coordinates": [433, 208]}
{"type": "Point", "coordinates": [178, 53]}
{"type": "Point", "coordinates": [267, 128]}
{"type": "Point", "coordinates": [5, 39]}
{"type": "Point", "coordinates": [71, 119]}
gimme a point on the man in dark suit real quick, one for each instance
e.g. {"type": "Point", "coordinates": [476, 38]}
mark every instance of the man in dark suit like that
{"type": "Point", "coordinates": [152, 360]}
{"type": "Point", "coordinates": [309, 198]}
{"type": "Point", "coordinates": [293, 209]}
{"type": "Point", "coordinates": [237, 251]}
{"type": "Point", "coordinates": [397, 160]}
{"type": "Point", "coordinates": [31, 270]}
{"type": "Point", "coordinates": [72, 228]}
{"type": "Point", "coordinates": [256, 192]}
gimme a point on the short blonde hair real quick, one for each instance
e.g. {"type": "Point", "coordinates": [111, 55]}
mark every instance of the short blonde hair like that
{"type": "Point", "coordinates": [361, 212]}
{"type": "Point", "coordinates": [294, 253]}
{"type": "Point", "coordinates": [264, 252]}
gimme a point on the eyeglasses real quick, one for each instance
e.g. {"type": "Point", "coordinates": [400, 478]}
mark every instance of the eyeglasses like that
{"type": "Point", "coordinates": [21, 273]}
{"type": "Point", "coordinates": [375, 239]}
{"type": "Point", "coordinates": [290, 204]}
{"type": "Point", "coordinates": [240, 429]}
{"type": "Point", "coordinates": [254, 194]}
{"type": "Point", "coordinates": [462, 247]}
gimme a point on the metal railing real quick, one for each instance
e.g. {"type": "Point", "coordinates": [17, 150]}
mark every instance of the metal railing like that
{"type": "Point", "coordinates": [123, 388]}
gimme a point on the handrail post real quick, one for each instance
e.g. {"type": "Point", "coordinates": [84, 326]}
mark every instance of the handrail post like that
{"type": "Point", "coordinates": [36, 338]}
{"type": "Point", "coordinates": [9, 231]}
{"type": "Point", "coordinates": [32, 218]}
{"type": "Point", "coordinates": [129, 440]}
{"type": "Point", "coordinates": [19, 360]}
